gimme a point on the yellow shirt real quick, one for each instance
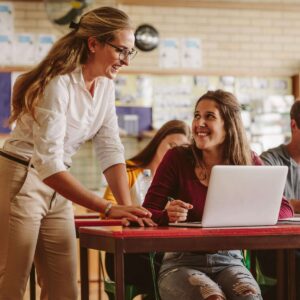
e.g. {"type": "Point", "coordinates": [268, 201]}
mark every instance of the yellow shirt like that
{"type": "Point", "coordinates": [133, 175]}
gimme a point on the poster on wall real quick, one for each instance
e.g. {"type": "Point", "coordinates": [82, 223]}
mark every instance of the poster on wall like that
{"type": "Point", "coordinates": [24, 49]}
{"type": "Point", "coordinates": [44, 43]}
{"type": "Point", "coordinates": [6, 49]}
{"type": "Point", "coordinates": [191, 53]}
{"type": "Point", "coordinates": [169, 53]}
{"type": "Point", "coordinates": [5, 92]}
{"type": "Point", "coordinates": [6, 18]}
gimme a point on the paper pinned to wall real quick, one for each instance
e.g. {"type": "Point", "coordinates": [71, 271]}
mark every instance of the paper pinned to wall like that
{"type": "Point", "coordinates": [44, 43]}
{"type": "Point", "coordinates": [6, 49]}
{"type": "Point", "coordinates": [6, 18]}
{"type": "Point", "coordinates": [24, 48]}
{"type": "Point", "coordinates": [169, 53]}
{"type": "Point", "coordinates": [191, 53]}
{"type": "Point", "coordinates": [180, 53]}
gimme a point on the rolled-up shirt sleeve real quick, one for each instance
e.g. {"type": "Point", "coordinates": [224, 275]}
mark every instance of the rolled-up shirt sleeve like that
{"type": "Point", "coordinates": [49, 130]}
{"type": "Point", "coordinates": [107, 143]}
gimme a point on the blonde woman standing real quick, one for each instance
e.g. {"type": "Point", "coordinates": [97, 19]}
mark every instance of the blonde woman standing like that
{"type": "Point", "coordinates": [64, 101]}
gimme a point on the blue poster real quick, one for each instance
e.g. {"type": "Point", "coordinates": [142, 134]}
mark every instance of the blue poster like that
{"type": "Point", "coordinates": [5, 92]}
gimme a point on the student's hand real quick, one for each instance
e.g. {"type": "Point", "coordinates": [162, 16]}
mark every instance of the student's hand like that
{"type": "Point", "coordinates": [130, 213]}
{"type": "Point", "coordinates": [177, 210]}
{"type": "Point", "coordinates": [142, 222]}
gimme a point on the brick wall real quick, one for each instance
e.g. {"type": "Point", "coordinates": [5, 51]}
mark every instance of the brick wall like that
{"type": "Point", "coordinates": [235, 41]}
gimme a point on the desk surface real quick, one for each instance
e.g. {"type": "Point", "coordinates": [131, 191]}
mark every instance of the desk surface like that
{"type": "Point", "coordinates": [120, 240]}
{"type": "Point", "coordinates": [145, 232]}
{"type": "Point", "coordinates": [190, 239]}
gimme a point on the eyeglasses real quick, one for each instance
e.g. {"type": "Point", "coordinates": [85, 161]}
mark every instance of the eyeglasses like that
{"type": "Point", "coordinates": [124, 53]}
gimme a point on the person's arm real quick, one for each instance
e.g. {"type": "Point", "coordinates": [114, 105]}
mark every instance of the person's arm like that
{"type": "Point", "coordinates": [116, 177]}
{"type": "Point", "coordinates": [110, 151]}
{"type": "Point", "coordinates": [164, 183]}
{"type": "Point", "coordinates": [69, 187]}
{"type": "Point", "coordinates": [286, 210]}
{"type": "Point", "coordinates": [269, 158]}
{"type": "Point", "coordinates": [295, 203]}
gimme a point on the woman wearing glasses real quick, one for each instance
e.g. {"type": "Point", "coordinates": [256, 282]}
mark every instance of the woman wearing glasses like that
{"type": "Point", "coordinates": [64, 101]}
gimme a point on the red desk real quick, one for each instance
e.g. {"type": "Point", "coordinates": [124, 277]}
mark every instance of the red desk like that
{"type": "Point", "coordinates": [88, 216]}
{"type": "Point", "coordinates": [84, 256]}
{"type": "Point", "coordinates": [120, 240]}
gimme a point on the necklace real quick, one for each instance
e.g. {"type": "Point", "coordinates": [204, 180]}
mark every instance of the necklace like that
{"type": "Point", "coordinates": [203, 173]}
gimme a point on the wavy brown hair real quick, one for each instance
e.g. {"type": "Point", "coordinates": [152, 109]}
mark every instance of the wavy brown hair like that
{"type": "Point", "coordinates": [236, 146]}
{"type": "Point", "coordinates": [65, 55]}
{"type": "Point", "coordinates": [144, 157]}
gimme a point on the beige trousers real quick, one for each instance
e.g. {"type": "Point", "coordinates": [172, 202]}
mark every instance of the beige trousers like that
{"type": "Point", "coordinates": [36, 225]}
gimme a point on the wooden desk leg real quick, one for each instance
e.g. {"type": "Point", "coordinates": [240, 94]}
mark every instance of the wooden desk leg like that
{"type": "Point", "coordinates": [280, 275]}
{"type": "Point", "coordinates": [119, 273]}
{"type": "Point", "coordinates": [291, 274]}
{"type": "Point", "coordinates": [100, 267]}
{"type": "Point", "coordinates": [84, 273]}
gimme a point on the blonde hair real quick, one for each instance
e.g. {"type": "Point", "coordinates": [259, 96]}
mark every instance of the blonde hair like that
{"type": "Point", "coordinates": [65, 55]}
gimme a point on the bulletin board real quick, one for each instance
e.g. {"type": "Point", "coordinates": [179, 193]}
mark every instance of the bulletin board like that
{"type": "Point", "coordinates": [5, 93]}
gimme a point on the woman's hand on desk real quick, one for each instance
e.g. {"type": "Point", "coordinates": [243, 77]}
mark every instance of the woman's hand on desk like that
{"type": "Point", "coordinates": [142, 222]}
{"type": "Point", "coordinates": [177, 210]}
{"type": "Point", "coordinates": [132, 213]}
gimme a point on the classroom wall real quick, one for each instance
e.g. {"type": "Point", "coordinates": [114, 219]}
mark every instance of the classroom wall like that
{"type": "Point", "coordinates": [235, 41]}
{"type": "Point", "coordinates": [241, 42]}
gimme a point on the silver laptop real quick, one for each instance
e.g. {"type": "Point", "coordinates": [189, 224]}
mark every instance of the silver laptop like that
{"type": "Point", "coordinates": [242, 196]}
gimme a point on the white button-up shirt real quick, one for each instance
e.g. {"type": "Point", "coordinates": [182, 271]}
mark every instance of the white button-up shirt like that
{"type": "Point", "coordinates": [68, 116]}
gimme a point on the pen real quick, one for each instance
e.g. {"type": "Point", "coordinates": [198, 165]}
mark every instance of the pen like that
{"type": "Point", "coordinates": [170, 199]}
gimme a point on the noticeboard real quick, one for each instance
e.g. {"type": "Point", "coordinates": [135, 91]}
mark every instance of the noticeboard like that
{"type": "Point", "coordinates": [5, 94]}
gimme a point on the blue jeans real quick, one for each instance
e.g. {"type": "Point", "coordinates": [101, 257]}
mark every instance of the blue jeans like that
{"type": "Point", "coordinates": [196, 276]}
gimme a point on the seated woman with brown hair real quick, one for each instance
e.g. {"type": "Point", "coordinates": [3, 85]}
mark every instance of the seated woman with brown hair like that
{"type": "Point", "coordinates": [218, 139]}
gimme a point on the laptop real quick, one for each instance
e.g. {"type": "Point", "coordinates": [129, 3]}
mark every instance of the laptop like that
{"type": "Point", "coordinates": [242, 196]}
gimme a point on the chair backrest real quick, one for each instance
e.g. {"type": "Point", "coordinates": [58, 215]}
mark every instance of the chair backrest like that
{"type": "Point", "coordinates": [131, 291]}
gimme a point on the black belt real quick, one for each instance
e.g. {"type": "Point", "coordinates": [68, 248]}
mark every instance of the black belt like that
{"type": "Point", "coordinates": [16, 159]}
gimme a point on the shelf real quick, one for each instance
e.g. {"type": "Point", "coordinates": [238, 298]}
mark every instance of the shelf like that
{"type": "Point", "coordinates": [248, 5]}
{"type": "Point", "coordinates": [168, 72]}
{"type": "Point", "coordinates": [8, 69]}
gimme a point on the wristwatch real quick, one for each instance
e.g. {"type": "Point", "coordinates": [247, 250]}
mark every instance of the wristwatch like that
{"type": "Point", "coordinates": [107, 209]}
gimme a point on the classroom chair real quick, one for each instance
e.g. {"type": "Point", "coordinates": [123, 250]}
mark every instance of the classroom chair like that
{"type": "Point", "coordinates": [131, 290]}
{"type": "Point", "coordinates": [252, 263]}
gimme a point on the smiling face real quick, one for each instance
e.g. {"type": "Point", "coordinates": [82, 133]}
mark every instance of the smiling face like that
{"type": "Point", "coordinates": [208, 126]}
{"type": "Point", "coordinates": [104, 58]}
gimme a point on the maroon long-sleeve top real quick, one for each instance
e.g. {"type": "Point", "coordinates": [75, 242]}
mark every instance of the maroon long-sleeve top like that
{"type": "Point", "coordinates": [175, 177]}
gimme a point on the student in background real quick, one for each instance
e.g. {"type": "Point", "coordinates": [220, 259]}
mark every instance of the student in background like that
{"type": "Point", "coordinates": [173, 133]}
{"type": "Point", "coordinates": [289, 155]}
{"type": "Point", "coordinates": [218, 139]}
{"type": "Point", "coordinates": [285, 155]}
{"type": "Point", "coordinates": [65, 100]}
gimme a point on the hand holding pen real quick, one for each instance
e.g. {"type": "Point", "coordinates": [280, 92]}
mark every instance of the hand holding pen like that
{"type": "Point", "coordinates": [177, 210]}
